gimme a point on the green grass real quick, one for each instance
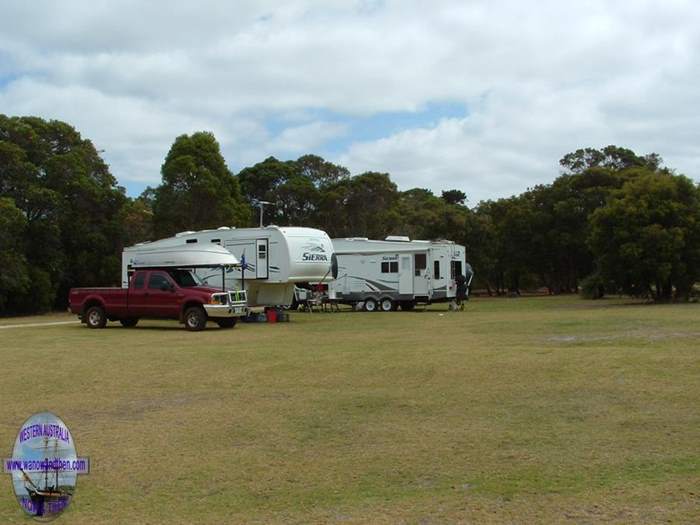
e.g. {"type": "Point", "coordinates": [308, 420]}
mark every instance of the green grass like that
{"type": "Point", "coordinates": [515, 410]}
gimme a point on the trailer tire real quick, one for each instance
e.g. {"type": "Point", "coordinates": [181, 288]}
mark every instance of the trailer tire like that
{"type": "Point", "coordinates": [95, 317]}
{"type": "Point", "coordinates": [229, 322]}
{"type": "Point", "coordinates": [370, 305]}
{"type": "Point", "coordinates": [386, 305]}
{"type": "Point", "coordinates": [129, 323]}
{"type": "Point", "coordinates": [195, 319]}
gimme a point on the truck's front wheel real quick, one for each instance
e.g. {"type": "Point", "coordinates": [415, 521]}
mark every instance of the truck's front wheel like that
{"type": "Point", "coordinates": [228, 322]}
{"type": "Point", "coordinates": [95, 317]}
{"type": "Point", "coordinates": [195, 319]}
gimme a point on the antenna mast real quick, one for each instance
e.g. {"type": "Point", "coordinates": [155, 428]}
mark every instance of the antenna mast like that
{"type": "Point", "coordinates": [261, 205]}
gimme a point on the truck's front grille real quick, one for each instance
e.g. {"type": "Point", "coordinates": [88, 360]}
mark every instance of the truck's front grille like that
{"type": "Point", "coordinates": [238, 296]}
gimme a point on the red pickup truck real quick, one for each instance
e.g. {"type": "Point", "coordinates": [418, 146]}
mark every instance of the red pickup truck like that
{"type": "Point", "coordinates": [159, 294]}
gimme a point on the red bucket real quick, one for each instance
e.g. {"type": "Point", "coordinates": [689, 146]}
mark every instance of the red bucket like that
{"type": "Point", "coordinates": [271, 315]}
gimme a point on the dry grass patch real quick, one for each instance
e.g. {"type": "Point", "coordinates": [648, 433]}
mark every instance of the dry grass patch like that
{"type": "Point", "coordinates": [516, 410]}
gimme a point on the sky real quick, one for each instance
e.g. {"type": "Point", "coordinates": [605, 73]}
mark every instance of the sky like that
{"type": "Point", "coordinates": [481, 96]}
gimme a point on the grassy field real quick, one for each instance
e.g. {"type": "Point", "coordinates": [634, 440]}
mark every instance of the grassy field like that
{"type": "Point", "coordinates": [515, 410]}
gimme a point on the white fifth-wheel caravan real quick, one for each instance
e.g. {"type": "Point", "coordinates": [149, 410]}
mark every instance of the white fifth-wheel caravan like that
{"type": "Point", "coordinates": [275, 259]}
{"type": "Point", "coordinates": [396, 272]}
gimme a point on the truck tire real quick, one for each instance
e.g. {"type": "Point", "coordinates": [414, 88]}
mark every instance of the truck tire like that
{"type": "Point", "coordinates": [128, 323]}
{"type": "Point", "coordinates": [370, 305]}
{"type": "Point", "coordinates": [195, 318]}
{"type": "Point", "coordinates": [386, 305]}
{"type": "Point", "coordinates": [95, 317]}
{"type": "Point", "coordinates": [229, 322]}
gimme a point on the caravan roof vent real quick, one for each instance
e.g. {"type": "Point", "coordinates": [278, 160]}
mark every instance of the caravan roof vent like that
{"type": "Point", "coordinates": [357, 239]}
{"type": "Point", "coordinates": [182, 234]}
{"type": "Point", "coordinates": [398, 238]}
{"type": "Point", "coordinates": [223, 228]}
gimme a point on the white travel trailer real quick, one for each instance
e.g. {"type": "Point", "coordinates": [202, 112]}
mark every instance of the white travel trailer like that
{"type": "Point", "coordinates": [272, 259]}
{"type": "Point", "coordinates": [396, 272]}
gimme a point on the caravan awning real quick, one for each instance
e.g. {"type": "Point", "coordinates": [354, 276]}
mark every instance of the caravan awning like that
{"type": "Point", "coordinates": [184, 256]}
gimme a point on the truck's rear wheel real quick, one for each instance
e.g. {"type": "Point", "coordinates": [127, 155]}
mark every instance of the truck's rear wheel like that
{"type": "Point", "coordinates": [386, 305]}
{"type": "Point", "coordinates": [228, 322]}
{"type": "Point", "coordinates": [95, 317]}
{"type": "Point", "coordinates": [370, 305]}
{"type": "Point", "coordinates": [128, 323]}
{"type": "Point", "coordinates": [195, 319]}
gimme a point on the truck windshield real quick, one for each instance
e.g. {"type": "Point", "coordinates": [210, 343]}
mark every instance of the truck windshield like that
{"type": "Point", "coordinates": [185, 278]}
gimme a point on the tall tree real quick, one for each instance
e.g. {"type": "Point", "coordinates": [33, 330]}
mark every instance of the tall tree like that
{"type": "Point", "coordinates": [646, 239]}
{"type": "Point", "coordinates": [137, 219]}
{"type": "Point", "coordinates": [14, 277]}
{"type": "Point", "coordinates": [422, 215]}
{"type": "Point", "coordinates": [454, 197]}
{"type": "Point", "coordinates": [611, 157]}
{"type": "Point", "coordinates": [369, 204]}
{"type": "Point", "coordinates": [295, 188]}
{"type": "Point", "coordinates": [69, 199]}
{"type": "Point", "coordinates": [320, 172]}
{"type": "Point", "coordinates": [292, 192]}
{"type": "Point", "coordinates": [198, 191]}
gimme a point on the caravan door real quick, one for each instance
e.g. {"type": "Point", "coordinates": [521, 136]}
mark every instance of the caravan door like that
{"type": "Point", "coordinates": [420, 274]}
{"type": "Point", "coordinates": [262, 262]}
{"type": "Point", "coordinates": [405, 275]}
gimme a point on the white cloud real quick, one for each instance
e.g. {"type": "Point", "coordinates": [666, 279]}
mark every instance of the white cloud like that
{"type": "Point", "coordinates": [539, 80]}
{"type": "Point", "coordinates": [306, 137]}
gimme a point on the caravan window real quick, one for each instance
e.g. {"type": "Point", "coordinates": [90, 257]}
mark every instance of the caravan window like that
{"type": "Point", "coordinates": [390, 267]}
{"type": "Point", "coordinates": [455, 268]}
{"type": "Point", "coordinates": [191, 241]}
{"type": "Point", "coordinates": [421, 263]}
{"type": "Point", "coordinates": [216, 241]}
{"type": "Point", "coordinates": [436, 269]}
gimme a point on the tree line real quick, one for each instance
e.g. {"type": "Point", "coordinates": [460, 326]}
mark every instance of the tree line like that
{"type": "Point", "coordinates": [611, 222]}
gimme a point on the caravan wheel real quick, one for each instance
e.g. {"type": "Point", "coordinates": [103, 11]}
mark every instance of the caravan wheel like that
{"type": "Point", "coordinates": [370, 305]}
{"type": "Point", "coordinates": [387, 305]}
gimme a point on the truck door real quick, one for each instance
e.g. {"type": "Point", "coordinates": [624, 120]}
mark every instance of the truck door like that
{"type": "Point", "coordinates": [161, 296]}
{"type": "Point", "coordinates": [405, 275]}
{"type": "Point", "coordinates": [137, 294]}
{"type": "Point", "coordinates": [420, 274]}
{"type": "Point", "coordinates": [262, 262]}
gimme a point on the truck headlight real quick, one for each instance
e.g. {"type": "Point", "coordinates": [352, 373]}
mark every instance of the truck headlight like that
{"type": "Point", "coordinates": [219, 299]}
